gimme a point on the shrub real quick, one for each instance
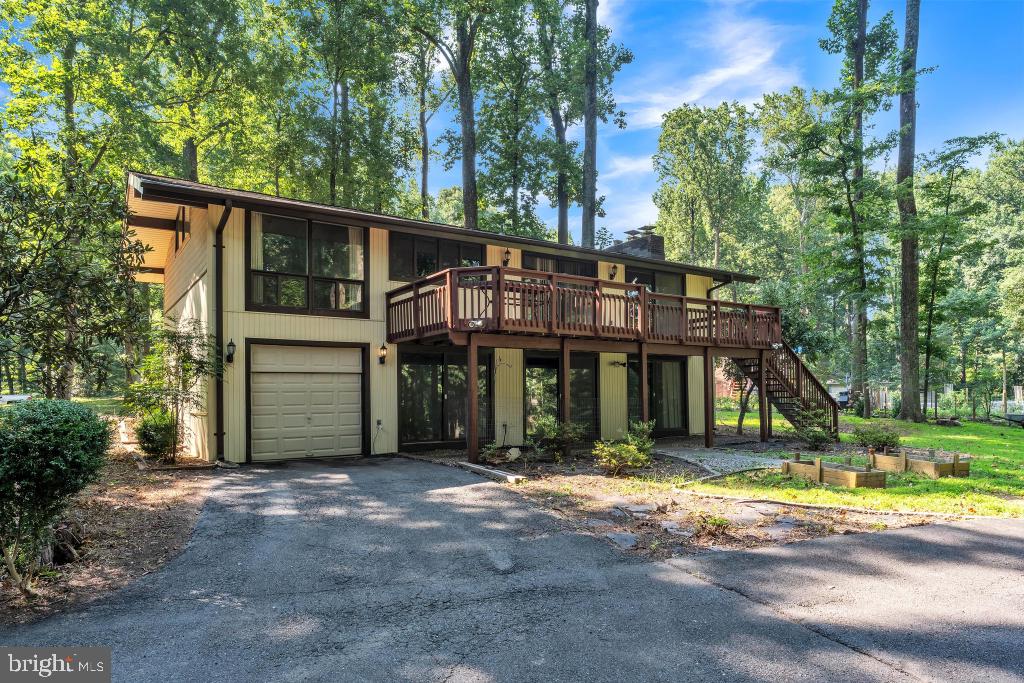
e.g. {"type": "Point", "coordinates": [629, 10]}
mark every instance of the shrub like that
{"type": "Point", "coordinates": [640, 434]}
{"type": "Point", "coordinates": [49, 451]}
{"type": "Point", "coordinates": [809, 429]}
{"type": "Point", "coordinates": [555, 438]}
{"type": "Point", "coordinates": [613, 457]}
{"type": "Point", "coordinates": [157, 434]}
{"type": "Point", "coordinates": [876, 436]}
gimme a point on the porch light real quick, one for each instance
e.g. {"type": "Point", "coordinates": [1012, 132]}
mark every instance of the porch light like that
{"type": "Point", "coordinates": [507, 258]}
{"type": "Point", "coordinates": [230, 357]}
{"type": "Point", "coordinates": [613, 271]}
{"type": "Point", "coordinates": [382, 354]}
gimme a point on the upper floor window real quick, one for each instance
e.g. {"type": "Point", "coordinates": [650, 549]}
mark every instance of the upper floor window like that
{"type": "Point", "coordinates": [304, 266]}
{"type": "Point", "coordinates": [656, 280]}
{"type": "Point", "coordinates": [414, 256]}
{"type": "Point", "coordinates": [555, 264]}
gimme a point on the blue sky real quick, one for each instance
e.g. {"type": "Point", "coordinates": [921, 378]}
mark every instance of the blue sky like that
{"type": "Point", "coordinates": [706, 52]}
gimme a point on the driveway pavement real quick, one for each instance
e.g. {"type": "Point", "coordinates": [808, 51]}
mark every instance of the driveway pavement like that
{"type": "Point", "coordinates": [402, 570]}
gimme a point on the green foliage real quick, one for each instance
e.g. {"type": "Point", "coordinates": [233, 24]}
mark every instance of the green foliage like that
{"type": "Point", "coordinates": [614, 457]}
{"type": "Point", "coordinates": [49, 451]}
{"type": "Point", "coordinates": [809, 429]}
{"type": "Point", "coordinates": [554, 438]}
{"type": "Point", "coordinates": [876, 436]}
{"type": "Point", "coordinates": [641, 436]}
{"type": "Point", "coordinates": [182, 356]}
{"type": "Point", "coordinates": [158, 434]}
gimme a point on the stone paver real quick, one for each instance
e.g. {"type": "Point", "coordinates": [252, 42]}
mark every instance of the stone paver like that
{"type": "Point", "coordinates": [718, 462]}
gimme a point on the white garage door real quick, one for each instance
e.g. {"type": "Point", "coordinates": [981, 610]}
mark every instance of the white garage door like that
{"type": "Point", "coordinates": [306, 402]}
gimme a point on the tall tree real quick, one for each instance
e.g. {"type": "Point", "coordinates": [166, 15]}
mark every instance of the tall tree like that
{"type": "Point", "coordinates": [590, 126]}
{"type": "Point", "coordinates": [453, 27]}
{"type": "Point", "coordinates": [910, 403]}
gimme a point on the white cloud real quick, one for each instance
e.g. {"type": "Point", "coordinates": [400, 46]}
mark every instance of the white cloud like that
{"type": "Point", "coordinates": [628, 212]}
{"type": "Point", "coordinates": [742, 57]}
{"type": "Point", "coordinates": [619, 166]}
{"type": "Point", "coordinates": [610, 13]}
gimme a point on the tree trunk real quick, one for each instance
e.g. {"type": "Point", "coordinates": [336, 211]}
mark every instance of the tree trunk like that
{"type": "Point", "coordinates": [745, 392]}
{"type": "Point", "coordinates": [346, 147]}
{"type": "Point", "coordinates": [22, 374]}
{"type": "Point", "coordinates": [190, 159]}
{"type": "Point", "coordinates": [860, 329]}
{"type": "Point", "coordinates": [467, 122]}
{"type": "Point", "coordinates": [332, 173]}
{"type": "Point", "coordinates": [910, 379]}
{"type": "Point", "coordinates": [590, 128]}
{"type": "Point", "coordinates": [558, 124]}
{"type": "Point", "coordinates": [65, 372]}
{"type": "Point", "coordinates": [424, 141]}
{"type": "Point", "coordinates": [1004, 383]}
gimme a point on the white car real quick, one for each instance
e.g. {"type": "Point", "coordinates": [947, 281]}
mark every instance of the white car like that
{"type": "Point", "coordinates": [14, 398]}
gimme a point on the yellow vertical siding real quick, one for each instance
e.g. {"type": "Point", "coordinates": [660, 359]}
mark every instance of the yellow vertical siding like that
{"type": "Point", "coordinates": [696, 285]}
{"type": "Point", "coordinates": [604, 271]}
{"type": "Point", "coordinates": [614, 408]}
{"type": "Point", "coordinates": [496, 254]}
{"type": "Point", "coordinates": [508, 396]}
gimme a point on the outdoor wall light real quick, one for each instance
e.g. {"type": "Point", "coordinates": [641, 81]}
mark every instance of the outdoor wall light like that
{"type": "Point", "coordinates": [382, 354]}
{"type": "Point", "coordinates": [230, 357]}
{"type": "Point", "coordinates": [507, 257]}
{"type": "Point", "coordinates": [618, 364]}
{"type": "Point", "coordinates": [613, 271]}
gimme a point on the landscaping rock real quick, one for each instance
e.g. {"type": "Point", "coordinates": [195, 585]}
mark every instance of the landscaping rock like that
{"type": "Point", "coordinates": [781, 529]}
{"type": "Point", "coordinates": [744, 515]}
{"type": "Point", "coordinates": [623, 539]}
{"type": "Point", "coordinates": [596, 523]}
{"type": "Point", "coordinates": [633, 509]}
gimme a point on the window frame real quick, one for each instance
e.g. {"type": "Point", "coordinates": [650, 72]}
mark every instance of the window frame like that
{"type": "Point", "coordinates": [653, 274]}
{"type": "Point", "coordinates": [309, 276]}
{"type": "Point", "coordinates": [182, 228]}
{"type": "Point", "coordinates": [559, 261]}
{"type": "Point", "coordinates": [460, 245]}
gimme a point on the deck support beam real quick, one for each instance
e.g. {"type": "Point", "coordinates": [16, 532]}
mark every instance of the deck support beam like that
{"type": "Point", "coordinates": [709, 398]}
{"type": "Point", "coordinates": [645, 395]}
{"type": "Point", "coordinates": [762, 397]}
{"type": "Point", "coordinates": [473, 428]}
{"type": "Point", "coordinates": [563, 381]}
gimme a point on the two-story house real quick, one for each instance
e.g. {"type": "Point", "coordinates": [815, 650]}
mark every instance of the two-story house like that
{"type": "Point", "coordinates": [351, 333]}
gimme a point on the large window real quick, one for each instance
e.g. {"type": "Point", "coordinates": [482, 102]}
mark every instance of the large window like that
{"type": "Point", "coordinates": [300, 265]}
{"type": "Point", "coordinates": [656, 280]}
{"type": "Point", "coordinates": [667, 394]}
{"type": "Point", "coordinates": [433, 404]}
{"type": "Point", "coordinates": [555, 264]}
{"type": "Point", "coordinates": [414, 256]}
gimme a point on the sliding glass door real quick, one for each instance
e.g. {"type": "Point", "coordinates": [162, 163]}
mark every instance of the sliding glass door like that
{"type": "Point", "coordinates": [667, 394]}
{"type": "Point", "coordinates": [543, 393]}
{"type": "Point", "coordinates": [432, 397]}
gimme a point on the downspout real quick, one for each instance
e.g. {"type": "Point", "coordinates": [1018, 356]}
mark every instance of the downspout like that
{"type": "Point", "coordinates": [723, 283]}
{"type": "Point", "coordinates": [218, 293]}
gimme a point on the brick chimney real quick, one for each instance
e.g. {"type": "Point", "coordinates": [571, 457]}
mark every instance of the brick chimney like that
{"type": "Point", "coordinates": [643, 242]}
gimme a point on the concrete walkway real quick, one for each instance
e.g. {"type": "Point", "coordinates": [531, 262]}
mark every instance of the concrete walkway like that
{"type": "Point", "coordinates": [719, 462]}
{"type": "Point", "coordinates": [398, 570]}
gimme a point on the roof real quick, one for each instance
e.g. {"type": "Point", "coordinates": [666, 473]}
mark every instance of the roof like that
{"type": "Point", "coordinates": [146, 190]}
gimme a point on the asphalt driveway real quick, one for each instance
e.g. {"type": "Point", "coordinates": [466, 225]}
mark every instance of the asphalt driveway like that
{"type": "Point", "coordinates": [403, 570]}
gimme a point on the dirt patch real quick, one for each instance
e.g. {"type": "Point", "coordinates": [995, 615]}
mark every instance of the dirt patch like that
{"type": "Point", "coordinates": [648, 512]}
{"type": "Point", "coordinates": [134, 521]}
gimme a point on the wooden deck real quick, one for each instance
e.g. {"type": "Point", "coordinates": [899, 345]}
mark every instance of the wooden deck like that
{"type": "Point", "coordinates": [514, 301]}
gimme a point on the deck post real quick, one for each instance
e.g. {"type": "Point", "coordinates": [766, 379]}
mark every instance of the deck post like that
{"type": "Point", "coordinates": [472, 390]}
{"type": "Point", "coordinates": [762, 397]}
{"type": "Point", "coordinates": [563, 381]}
{"type": "Point", "coordinates": [769, 420]}
{"type": "Point", "coordinates": [709, 398]}
{"type": "Point", "coordinates": [645, 386]}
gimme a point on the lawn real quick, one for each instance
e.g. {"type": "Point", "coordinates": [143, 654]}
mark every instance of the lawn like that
{"type": "Point", "coordinates": [104, 405]}
{"type": "Point", "coordinates": [995, 487]}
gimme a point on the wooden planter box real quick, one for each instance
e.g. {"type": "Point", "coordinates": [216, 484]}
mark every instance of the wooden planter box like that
{"type": "Point", "coordinates": [930, 465]}
{"type": "Point", "coordinates": [835, 473]}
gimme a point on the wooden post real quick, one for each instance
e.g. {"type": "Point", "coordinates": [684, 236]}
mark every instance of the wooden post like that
{"type": "Point", "coordinates": [885, 450]}
{"type": "Point", "coordinates": [871, 458]}
{"type": "Point", "coordinates": [563, 381]}
{"type": "Point", "coordinates": [645, 385]}
{"type": "Point", "coordinates": [762, 397]}
{"type": "Point", "coordinates": [903, 460]}
{"type": "Point", "coordinates": [796, 456]}
{"type": "Point", "coordinates": [709, 398]}
{"type": "Point", "coordinates": [473, 428]}
{"type": "Point", "coordinates": [770, 420]}
{"type": "Point", "coordinates": [847, 460]}
{"type": "Point", "coordinates": [956, 464]}
{"type": "Point", "coordinates": [819, 470]}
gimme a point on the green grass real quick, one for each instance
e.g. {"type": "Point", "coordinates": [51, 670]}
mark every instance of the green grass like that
{"type": "Point", "coordinates": [995, 487]}
{"type": "Point", "coordinates": [104, 405]}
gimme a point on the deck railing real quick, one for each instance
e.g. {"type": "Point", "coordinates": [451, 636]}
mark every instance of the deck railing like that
{"type": "Point", "coordinates": [513, 300]}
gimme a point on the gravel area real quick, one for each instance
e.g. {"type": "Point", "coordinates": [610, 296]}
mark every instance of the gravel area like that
{"type": "Point", "coordinates": [718, 462]}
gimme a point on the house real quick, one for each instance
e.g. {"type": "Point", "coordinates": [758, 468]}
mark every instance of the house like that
{"type": "Point", "coordinates": [351, 333]}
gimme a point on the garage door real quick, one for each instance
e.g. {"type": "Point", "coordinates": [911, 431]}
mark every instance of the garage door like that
{"type": "Point", "coordinates": [305, 402]}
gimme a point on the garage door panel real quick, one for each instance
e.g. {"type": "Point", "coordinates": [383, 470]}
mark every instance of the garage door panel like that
{"type": "Point", "coordinates": [305, 402]}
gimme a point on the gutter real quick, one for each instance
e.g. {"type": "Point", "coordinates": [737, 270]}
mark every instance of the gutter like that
{"type": "Point", "coordinates": [720, 284]}
{"type": "Point", "coordinates": [218, 289]}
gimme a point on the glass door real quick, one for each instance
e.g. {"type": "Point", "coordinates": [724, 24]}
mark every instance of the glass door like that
{"type": "Point", "coordinates": [433, 397]}
{"type": "Point", "coordinates": [667, 395]}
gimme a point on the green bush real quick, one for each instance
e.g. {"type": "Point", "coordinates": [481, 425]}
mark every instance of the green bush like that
{"type": "Point", "coordinates": [809, 429]}
{"type": "Point", "coordinates": [876, 436]}
{"type": "Point", "coordinates": [640, 434]}
{"type": "Point", "coordinates": [49, 451]}
{"type": "Point", "coordinates": [556, 438]}
{"type": "Point", "coordinates": [613, 457]}
{"type": "Point", "coordinates": [156, 432]}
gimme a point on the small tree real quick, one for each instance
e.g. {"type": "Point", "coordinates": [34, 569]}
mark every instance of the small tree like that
{"type": "Point", "coordinates": [182, 356]}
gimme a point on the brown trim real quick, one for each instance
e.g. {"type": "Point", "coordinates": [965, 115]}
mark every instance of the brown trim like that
{"type": "Point", "coordinates": [310, 278]}
{"type": "Point", "coordinates": [709, 399]}
{"type": "Point", "coordinates": [762, 397]}
{"type": "Point", "coordinates": [151, 271]}
{"type": "Point", "coordinates": [364, 380]}
{"type": "Point", "coordinates": [163, 188]}
{"type": "Point", "coordinates": [150, 223]}
{"type": "Point", "coordinates": [473, 401]}
{"type": "Point", "coordinates": [564, 370]}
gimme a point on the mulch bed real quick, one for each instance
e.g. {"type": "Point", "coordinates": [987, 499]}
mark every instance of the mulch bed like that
{"type": "Point", "coordinates": [134, 520]}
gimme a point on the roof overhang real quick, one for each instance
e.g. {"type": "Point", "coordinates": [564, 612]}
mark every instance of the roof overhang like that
{"type": "Point", "coordinates": [152, 198]}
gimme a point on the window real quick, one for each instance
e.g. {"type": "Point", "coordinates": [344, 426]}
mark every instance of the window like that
{"type": "Point", "coordinates": [656, 280]}
{"type": "Point", "coordinates": [555, 264]}
{"type": "Point", "coordinates": [413, 256]}
{"type": "Point", "coordinates": [306, 266]}
{"type": "Point", "coordinates": [182, 228]}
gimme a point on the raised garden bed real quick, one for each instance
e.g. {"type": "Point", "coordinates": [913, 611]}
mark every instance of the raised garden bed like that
{"type": "Point", "coordinates": [931, 465]}
{"type": "Point", "coordinates": [835, 474]}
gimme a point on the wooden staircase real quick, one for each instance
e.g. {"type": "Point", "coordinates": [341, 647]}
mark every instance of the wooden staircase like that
{"type": "Point", "coordinates": [792, 389]}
